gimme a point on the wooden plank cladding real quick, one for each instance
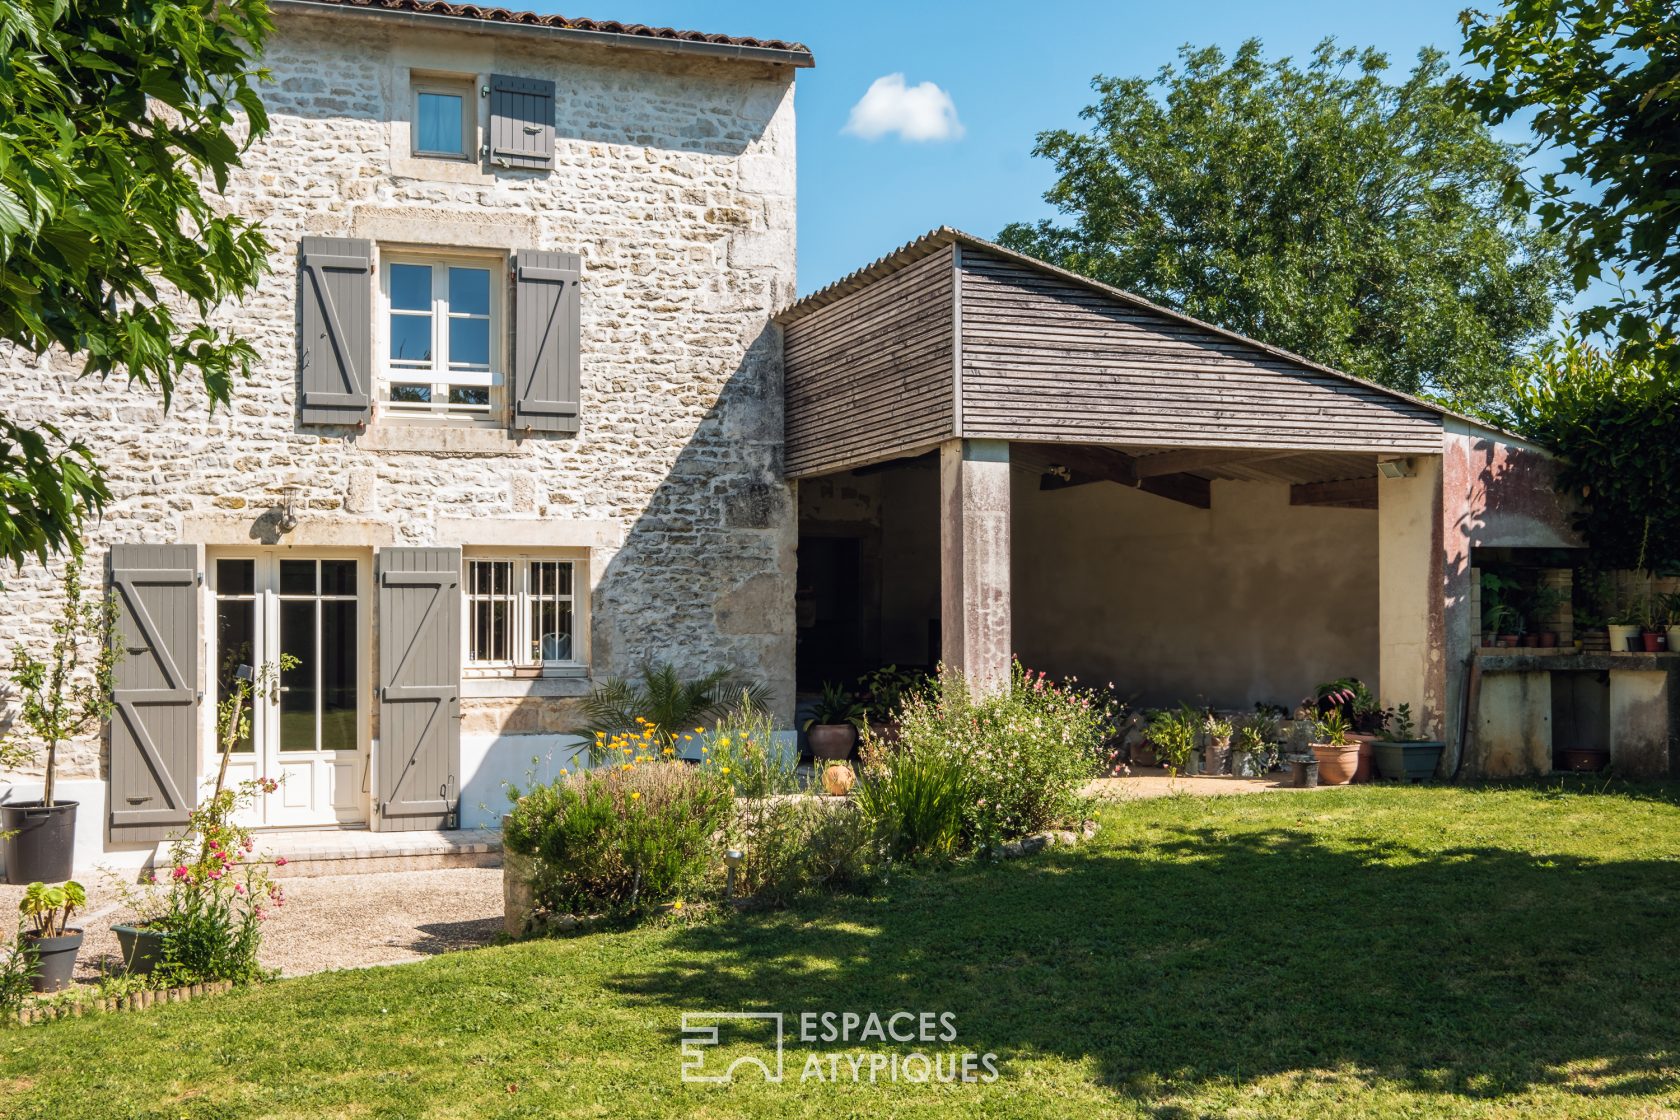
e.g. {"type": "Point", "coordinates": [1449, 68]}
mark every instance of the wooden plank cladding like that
{"type": "Point", "coordinates": [1046, 357]}
{"type": "Point", "coordinates": [869, 374]}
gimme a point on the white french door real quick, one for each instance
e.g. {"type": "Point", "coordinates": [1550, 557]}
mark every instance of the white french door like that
{"type": "Point", "coordinates": [308, 722]}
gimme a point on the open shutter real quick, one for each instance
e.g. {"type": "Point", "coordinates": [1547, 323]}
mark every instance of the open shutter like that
{"type": "Point", "coordinates": [420, 678]}
{"type": "Point", "coordinates": [521, 122]}
{"type": "Point", "coordinates": [335, 346]}
{"type": "Point", "coordinates": [545, 347]}
{"type": "Point", "coordinates": [153, 777]}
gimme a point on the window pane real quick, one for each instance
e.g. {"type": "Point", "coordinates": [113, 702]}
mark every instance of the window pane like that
{"type": "Point", "coordinates": [490, 632]}
{"type": "Point", "coordinates": [551, 630]}
{"type": "Point", "coordinates": [439, 125]}
{"type": "Point", "coordinates": [338, 577]}
{"type": "Point", "coordinates": [297, 685]}
{"type": "Point", "coordinates": [469, 343]}
{"type": "Point", "coordinates": [236, 628]}
{"type": "Point", "coordinates": [338, 674]}
{"type": "Point", "coordinates": [411, 287]}
{"type": "Point", "coordinates": [469, 291]}
{"type": "Point", "coordinates": [297, 577]}
{"type": "Point", "coordinates": [551, 577]}
{"type": "Point", "coordinates": [470, 396]}
{"type": "Point", "coordinates": [236, 577]}
{"type": "Point", "coordinates": [411, 339]}
{"type": "Point", "coordinates": [411, 394]}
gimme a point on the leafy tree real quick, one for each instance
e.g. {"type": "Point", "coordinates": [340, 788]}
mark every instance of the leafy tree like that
{"type": "Point", "coordinates": [1602, 81]}
{"type": "Point", "coordinates": [115, 118]}
{"type": "Point", "coordinates": [1317, 207]}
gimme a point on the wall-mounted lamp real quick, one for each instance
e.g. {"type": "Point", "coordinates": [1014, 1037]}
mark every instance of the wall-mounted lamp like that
{"type": "Point", "coordinates": [288, 508]}
{"type": "Point", "coordinates": [1396, 468]}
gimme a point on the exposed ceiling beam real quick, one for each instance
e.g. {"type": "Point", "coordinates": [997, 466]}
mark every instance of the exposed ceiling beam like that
{"type": "Point", "coordinates": [1198, 458]}
{"type": "Point", "coordinates": [1347, 493]}
{"type": "Point", "coordinates": [1104, 464]}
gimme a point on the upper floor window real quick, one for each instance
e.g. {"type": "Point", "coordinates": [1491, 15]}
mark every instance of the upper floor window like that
{"type": "Point", "coordinates": [443, 323]}
{"type": "Point", "coordinates": [444, 124]}
{"type": "Point", "coordinates": [521, 613]}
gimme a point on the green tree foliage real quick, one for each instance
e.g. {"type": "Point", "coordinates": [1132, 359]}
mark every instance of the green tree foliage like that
{"type": "Point", "coordinates": [1599, 82]}
{"type": "Point", "coordinates": [1318, 208]}
{"type": "Point", "coordinates": [1614, 421]}
{"type": "Point", "coordinates": [115, 118]}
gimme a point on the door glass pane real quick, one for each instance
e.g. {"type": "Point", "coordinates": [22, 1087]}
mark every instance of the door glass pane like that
{"type": "Point", "coordinates": [411, 394]}
{"type": "Point", "coordinates": [236, 577]}
{"type": "Point", "coordinates": [236, 629]}
{"type": "Point", "coordinates": [338, 674]}
{"type": "Point", "coordinates": [469, 291]}
{"type": "Point", "coordinates": [411, 287]}
{"type": "Point", "coordinates": [474, 397]}
{"type": "Point", "coordinates": [338, 577]}
{"type": "Point", "coordinates": [411, 339]}
{"type": "Point", "coordinates": [297, 685]}
{"type": "Point", "coordinates": [297, 577]}
{"type": "Point", "coordinates": [439, 125]}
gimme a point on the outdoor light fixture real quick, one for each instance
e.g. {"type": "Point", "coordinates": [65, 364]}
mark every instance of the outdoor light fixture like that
{"type": "Point", "coordinates": [1396, 468]}
{"type": "Point", "coordinates": [288, 508]}
{"type": "Point", "coordinates": [732, 859]}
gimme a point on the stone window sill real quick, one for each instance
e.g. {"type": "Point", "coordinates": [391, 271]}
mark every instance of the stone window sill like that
{"type": "Point", "coordinates": [564, 683]}
{"type": "Point", "coordinates": [439, 439]}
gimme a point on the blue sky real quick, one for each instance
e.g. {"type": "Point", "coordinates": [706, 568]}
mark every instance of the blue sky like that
{"type": "Point", "coordinates": [1011, 70]}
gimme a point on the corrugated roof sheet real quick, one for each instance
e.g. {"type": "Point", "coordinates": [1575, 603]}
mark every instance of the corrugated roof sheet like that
{"type": "Point", "coordinates": [798, 53]}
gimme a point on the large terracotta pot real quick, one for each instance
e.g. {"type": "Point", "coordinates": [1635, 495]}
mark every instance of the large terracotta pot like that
{"type": "Point", "coordinates": [1367, 763]}
{"type": "Point", "coordinates": [1336, 765]}
{"type": "Point", "coordinates": [831, 740]}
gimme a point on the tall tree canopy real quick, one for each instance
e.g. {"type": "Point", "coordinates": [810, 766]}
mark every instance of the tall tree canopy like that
{"type": "Point", "coordinates": [1602, 81]}
{"type": "Point", "coordinates": [115, 117]}
{"type": "Point", "coordinates": [1318, 208]}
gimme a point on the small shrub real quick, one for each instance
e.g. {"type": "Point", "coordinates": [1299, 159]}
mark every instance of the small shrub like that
{"type": "Point", "coordinates": [665, 704]}
{"type": "Point", "coordinates": [795, 846]}
{"type": "Point", "coordinates": [1173, 735]}
{"type": "Point", "coordinates": [914, 802]}
{"type": "Point", "coordinates": [745, 751]}
{"type": "Point", "coordinates": [18, 964]}
{"type": "Point", "coordinates": [622, 838]}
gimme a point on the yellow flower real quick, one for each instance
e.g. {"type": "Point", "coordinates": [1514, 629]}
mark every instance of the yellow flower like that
{"type": "Point", "coordinates": [699, 730]}
{"type": "Point", "coordinates": [677, 905]}
{"type": "Point", "coordinates": [635, 795]}
{"type": "Point", "coordinates": [723, 742]}
{"type": "Point", "coordinates": [669, 752]}
{"type": "Point", "coordinates": [725, 770]}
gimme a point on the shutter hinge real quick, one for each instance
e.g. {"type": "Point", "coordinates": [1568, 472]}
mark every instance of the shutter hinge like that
{"type": "Point", "coordinates": [199, 578]}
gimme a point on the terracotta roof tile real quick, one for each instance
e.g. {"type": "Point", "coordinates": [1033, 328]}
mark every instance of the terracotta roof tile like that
{"type": "Point", "coordinates": [564, 23]}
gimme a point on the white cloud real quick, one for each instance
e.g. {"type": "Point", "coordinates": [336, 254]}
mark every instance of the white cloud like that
{"type": "Point", "coordinates": [920, 112]}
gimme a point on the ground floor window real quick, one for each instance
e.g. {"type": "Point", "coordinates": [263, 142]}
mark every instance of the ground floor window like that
{"type": "Point", "coordinates": [521, 613]}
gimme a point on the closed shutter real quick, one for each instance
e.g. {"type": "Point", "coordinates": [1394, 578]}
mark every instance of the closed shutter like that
{"type": "Point", "coordinates": [335, 347]}
{"type": "Point", "coordinates": [153, 777]}
{"type": "Point", "coordinates": [420, 677]}
{"type": "Point", "coordinates": [547, 299]}
{"type": "Point", "coordinates": [521, 122]}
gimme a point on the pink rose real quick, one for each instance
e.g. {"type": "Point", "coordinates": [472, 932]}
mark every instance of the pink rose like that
{"type": "Point", "coordinates": [279, 861]}
{"type": "Point", "coordinates": [180, 873]}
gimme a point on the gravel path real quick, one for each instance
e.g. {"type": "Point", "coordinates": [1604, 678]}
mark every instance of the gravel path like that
{"type": "Point", "coordinates": [336, 921]}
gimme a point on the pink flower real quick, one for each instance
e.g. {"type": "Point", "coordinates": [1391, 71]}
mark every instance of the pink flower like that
{"type": "Point", "coordinates": [215, 873]}
{"type": "Point", "coordinates": [279, 861]}
{"type": "Point", "coordinates": [180, 872]}
{"type": "Point", "coordinates": [239, 888]}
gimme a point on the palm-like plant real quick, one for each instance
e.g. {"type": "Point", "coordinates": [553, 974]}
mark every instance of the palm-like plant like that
{"type": "Point", "coordinates": [662, 701]}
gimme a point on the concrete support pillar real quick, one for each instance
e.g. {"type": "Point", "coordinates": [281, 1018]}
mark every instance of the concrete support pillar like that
{"type": "Point", "coordinates": [974, 560]}
{"type": "Point", "coordinates": [1424, 602]}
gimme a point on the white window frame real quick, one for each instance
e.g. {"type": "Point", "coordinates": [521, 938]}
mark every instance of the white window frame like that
{"type": "Point", "coordinates": [451, 87]}
{"type": "Point", "coordinates": [521, 598]}
{"type": "Point", "coordinates": [438, 375]}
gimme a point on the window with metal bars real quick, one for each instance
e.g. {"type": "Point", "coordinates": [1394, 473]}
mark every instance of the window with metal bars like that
{"type": "Point", "coordinates": [521, 613]}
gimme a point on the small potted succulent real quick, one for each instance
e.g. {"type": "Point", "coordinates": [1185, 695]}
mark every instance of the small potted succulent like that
{"type": "Point", "coordinates": [47, 912]}
{"type": "Point", "coordinates": [1402, 755]}
{"type": "Point", "coordinates": [1216, 754]}
{"type": "Point", "coordinates": [1335, 750]}
{"type": "Point", "coordinates": [833, 727]}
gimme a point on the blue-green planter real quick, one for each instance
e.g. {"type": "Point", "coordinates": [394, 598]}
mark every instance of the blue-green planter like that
{"type": "Point", "coordinates": [142, 949]}
{"type": "Point", "coordinates": [1408, 762]}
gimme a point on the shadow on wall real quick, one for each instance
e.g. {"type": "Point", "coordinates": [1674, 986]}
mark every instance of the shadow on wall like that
{"type": "Point", "coordinates": [1206, 960]}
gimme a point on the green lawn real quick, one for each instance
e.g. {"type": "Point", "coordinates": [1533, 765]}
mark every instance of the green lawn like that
{"type": "Point", "coordinates": [1369, 952]}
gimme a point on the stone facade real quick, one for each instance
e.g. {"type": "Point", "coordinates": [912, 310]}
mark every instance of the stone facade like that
{"type": "Point", "coordinates": [674, 180]}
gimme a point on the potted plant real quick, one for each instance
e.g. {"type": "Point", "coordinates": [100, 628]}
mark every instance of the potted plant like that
{"type": "Point", "coordinates": [833, 727]}
{"type": "Point", "coordinates": [1543, 604]}
{"type": "Point", "coordinates": [1670, 605]}
{"type": "Point", "coordinates": [1173, 737]}
{"type": "Point", "coordinates": [1362, 712]}
{"type": "Point", "coordinates": [61, 697]}
{"type": "Point", "coordinates": [47, 912]}
{"type": "Point", "coordinates": [1255, 744]}
{"type": "Point", "coordinates": [1336, 752]}
{"type": "Point", "coordinates": [1402, 756]}
{"type": "Point", "coordinates": [1216, 755]}
{"type": "Point", "coordinates": [882, 693]}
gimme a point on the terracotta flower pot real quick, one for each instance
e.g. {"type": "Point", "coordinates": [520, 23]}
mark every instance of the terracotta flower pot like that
{"type": "Point", "coordinates": [831, 740]}
{"type": "Point", "coordinates": [1143, 754]}
{"type": "Point", "coordinates": [1547, 639]}
{"type": "Point", "coordinates": [1652, 640]}
{"type": "Point", "coordinates": [837, 779]}
{"type": "Point", "coordinates": [1367, 764]}
{"type": "Point", "coordinates": [1336, 764]}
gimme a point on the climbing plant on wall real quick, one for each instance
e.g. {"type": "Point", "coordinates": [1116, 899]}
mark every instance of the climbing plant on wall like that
{"type": "Point", "coordinates": [1615, 423]}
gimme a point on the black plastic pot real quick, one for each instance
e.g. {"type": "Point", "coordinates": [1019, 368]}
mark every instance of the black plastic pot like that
{"type": "Point", "coordinates": [141, 948]}
{"type": "Point", "coordinates": [44, 847]}
{"type": "Point", "coordinates": [55, 960]}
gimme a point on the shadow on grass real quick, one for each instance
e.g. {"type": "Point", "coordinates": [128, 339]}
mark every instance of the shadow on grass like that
{"type": "Point", "coordinates": [1181, 954]}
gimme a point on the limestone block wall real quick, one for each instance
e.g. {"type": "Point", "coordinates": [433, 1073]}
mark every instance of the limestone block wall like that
{"type": "Point", "coordinates": [674, 179]}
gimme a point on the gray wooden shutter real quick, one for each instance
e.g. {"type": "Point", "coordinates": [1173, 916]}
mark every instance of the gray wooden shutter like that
{"type": "Point", "coordinates": [420, 695]}
{"type": "Point", "coordinates": [521, 122]}
{"type": "Point", "coordinates": [153, 777]}
{"type": "Point", "coordinates": [335, 344]}
{"type": "Point", "coordinates": [546, 302]}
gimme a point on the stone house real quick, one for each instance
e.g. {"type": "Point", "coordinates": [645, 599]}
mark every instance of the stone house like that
{"type": "Point", "coordinates": [517, 423]}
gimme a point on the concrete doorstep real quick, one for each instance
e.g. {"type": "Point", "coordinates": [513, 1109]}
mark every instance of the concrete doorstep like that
{"type": "Point", "coordinates": [315, 853]}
